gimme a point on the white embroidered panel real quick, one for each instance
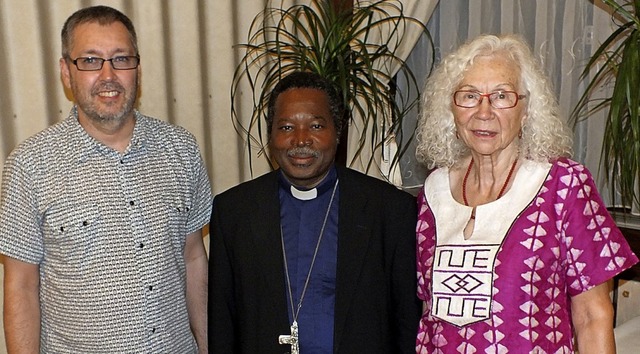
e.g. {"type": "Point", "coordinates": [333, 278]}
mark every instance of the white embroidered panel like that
{"type": "Point", "coordinates": [463, 270]}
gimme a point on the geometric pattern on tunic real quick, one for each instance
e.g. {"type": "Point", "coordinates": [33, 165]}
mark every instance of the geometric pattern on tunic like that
{"type": "Point", "coordinates": [463, 270]}
{"type": "Point", "coordinates": [467, 284]}
{"type": "Point", "coordinates": [564, 243]}
{"type": "Point", "coordinates": [463, 296]}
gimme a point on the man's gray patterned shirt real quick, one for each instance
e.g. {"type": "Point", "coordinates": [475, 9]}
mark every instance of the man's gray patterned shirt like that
{"type": "Point", "coordinates": [108, 232]}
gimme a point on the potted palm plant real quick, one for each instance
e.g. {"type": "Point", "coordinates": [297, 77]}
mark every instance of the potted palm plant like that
{"type": "Point", "coordinates": [354, 47]}
{"type": "Point", "coordinates": [617, 62]}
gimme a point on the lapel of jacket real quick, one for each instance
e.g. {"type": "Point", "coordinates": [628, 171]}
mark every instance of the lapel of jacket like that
{"type": "Point", "coordinates": [353, 237]}
{"type": "Point", "coordinates": [265, 229]}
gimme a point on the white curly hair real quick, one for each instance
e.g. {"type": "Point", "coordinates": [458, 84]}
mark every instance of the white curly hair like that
{"type": "Point", "coordinates": [545, 136]}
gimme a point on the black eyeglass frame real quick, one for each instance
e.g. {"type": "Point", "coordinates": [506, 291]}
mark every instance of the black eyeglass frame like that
{"type": "Point", "coordinates": [103, 60]}
{"type": "Point", "coordinates": [488, 96]}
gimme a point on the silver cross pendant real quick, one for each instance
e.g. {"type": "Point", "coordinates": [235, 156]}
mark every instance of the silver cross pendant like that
{"type": "Point", "coordinates": [291, 339]}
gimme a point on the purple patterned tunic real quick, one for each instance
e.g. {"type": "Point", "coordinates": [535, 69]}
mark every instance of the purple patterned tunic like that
{"type": "Point", "coordinates": [508, 288]}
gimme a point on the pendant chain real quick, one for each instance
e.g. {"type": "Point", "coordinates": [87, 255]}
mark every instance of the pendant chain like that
{"type": "Point", "coordinates": [466, 176]}
{"type": "Point", "coordinates": [296, 311]}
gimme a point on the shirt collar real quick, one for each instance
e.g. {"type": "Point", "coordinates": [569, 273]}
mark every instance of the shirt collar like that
{"type": "Point", "coordinates": [311, 193]}
{"type": "Point", "coordinates": [88, 146]}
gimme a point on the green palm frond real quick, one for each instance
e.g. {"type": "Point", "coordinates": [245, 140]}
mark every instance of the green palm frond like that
{"type": "Point", "coordinates": [337, 45]}
{"type": "Point", "coordinates": [617, 61]}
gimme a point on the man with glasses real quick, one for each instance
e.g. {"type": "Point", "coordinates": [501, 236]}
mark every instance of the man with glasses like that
{"type": "Point", "coordinates": [101, 214]}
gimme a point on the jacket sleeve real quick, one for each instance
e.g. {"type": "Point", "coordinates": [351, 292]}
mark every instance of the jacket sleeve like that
{"type": "Point", "coordinates": [221, 316]}
{"type": "Point", "coordinates": [401, 223]}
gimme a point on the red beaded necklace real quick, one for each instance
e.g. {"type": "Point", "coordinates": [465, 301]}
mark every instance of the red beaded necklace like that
{"type": "Point", "coordinates": [466, 176]}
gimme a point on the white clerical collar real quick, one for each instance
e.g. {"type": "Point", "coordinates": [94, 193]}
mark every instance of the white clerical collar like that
{"type": "Point", "coordinates": [304, 195]}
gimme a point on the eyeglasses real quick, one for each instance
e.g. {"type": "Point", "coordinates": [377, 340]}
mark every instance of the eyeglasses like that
{"type": "Point", "coordinates": [497, 99]}
{"type": "Point", "coordinates": [126, 62]}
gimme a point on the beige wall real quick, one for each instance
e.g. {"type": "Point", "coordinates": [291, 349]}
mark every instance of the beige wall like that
{"type": "Point", "coordinates": [187, 64]}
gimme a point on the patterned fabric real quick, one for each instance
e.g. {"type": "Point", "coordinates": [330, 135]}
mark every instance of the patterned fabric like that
{"type": "Point", "coordinates": [462, 274]}
{"type": "Point", "coordinates": [562, 243]}
{"type": "Point", "coordinates": [108, 232]}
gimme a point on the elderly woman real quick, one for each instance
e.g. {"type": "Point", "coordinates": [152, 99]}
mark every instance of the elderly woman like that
{"type": "Point", "coordinates": [515, 246]}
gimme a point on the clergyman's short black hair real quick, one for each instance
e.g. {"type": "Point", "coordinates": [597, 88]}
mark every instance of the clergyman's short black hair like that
{"type": "Point", "coordinates": [308, 80]}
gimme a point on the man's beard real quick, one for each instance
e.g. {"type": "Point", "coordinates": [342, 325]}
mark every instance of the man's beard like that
{"type": "Point", "coordinates": [93, 112]}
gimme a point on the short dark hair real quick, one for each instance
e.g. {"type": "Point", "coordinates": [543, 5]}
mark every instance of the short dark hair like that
{"type": "Point", "coordinates": [104, 15]}
{"type": "Point", "coordinates": [308, 80]}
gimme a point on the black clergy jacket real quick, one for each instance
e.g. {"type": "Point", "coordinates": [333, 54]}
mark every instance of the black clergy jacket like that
{"type": "Point", "coordinates": [376, 308]}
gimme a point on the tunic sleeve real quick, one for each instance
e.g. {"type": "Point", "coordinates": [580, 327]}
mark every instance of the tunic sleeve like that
{"type": "Point", "coordinates": [425, 246]}
{"type": "Point", "coordinates": [596, 250]}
